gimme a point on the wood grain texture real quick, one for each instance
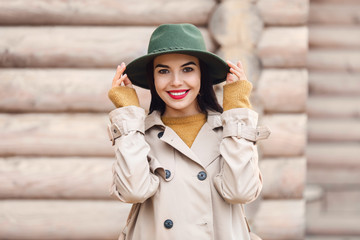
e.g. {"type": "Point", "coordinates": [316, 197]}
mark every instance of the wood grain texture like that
{"type": "Point", "coordinates": [288, 135]}
{"type": "Point", "coordinates": [81, 47]}
{"type": "Point", "coordinates": [55, 178]}
{"type": "Point", "coordinates": [283, 90]}
{"type": "Point", "coordinates": [104, 12]}
{"type": "Point", "coordinates": [42, 219]}
{"type": "Point", "coordinates": [59, 90]}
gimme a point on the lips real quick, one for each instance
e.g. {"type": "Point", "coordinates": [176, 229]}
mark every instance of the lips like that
{"type": "Point", "coordinates": [178, 94]}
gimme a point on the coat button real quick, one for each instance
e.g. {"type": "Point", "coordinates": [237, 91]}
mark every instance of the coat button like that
{"type": "Point", "coordinates": [160, 134]}
{"type": "Point", "coordinates": [202, 176]}
{"type": "Point", "coordinates": [167, 174]}
{"type": "Point", "coordinates": [168, 224]}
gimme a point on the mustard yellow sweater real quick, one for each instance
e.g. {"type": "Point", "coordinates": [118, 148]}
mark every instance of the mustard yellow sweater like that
{"type": "Point", "coordinates": [236, 95]}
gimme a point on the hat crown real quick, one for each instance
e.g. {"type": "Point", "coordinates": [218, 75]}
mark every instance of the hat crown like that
{"type": "Point", "coordinates": [176, 37]}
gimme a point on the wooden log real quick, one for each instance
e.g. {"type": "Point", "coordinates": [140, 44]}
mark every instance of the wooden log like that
{"type": "Point", "coordinates": [283, 90]}
{"type": "Point", "coordinates": [284, 47]}
{"type": "Point", "coordinates": [334, 60]}
{"type": "Point", "coordinates": [67, 178]}
{"type": "Point", "coordinates": [59, 90]}
{"type": "Point", "coordinates": [236, 23]}
{"type": "Point", "coordinates": [334, 130]}
{"type": "Point", "coordinates": [75, 46]}
{"type": "Point", "coordinates": [333, 224]}
{"type": "Point", "coordinates": [334, 178]}
{"type": "Point", "coordinates": [280, 219]}
{"type": "Point", "coordinates": [333, 107]}
{"type": "Point", "coordinates": [90, 178]}
{"type": "Point", "coordinates": [104, 12]}
{"type": "Point", "coordinates": [41, 219]}
{"type": "Point", "coordinates": [334, 36]}
{"type": "Point", "coordinates": [331, 83]}
{"type": "Point", "coordinates": [349, 199]}
{"type": "Point", "coordinates": [284, 178]}
{"type": "Point", "coordinates": [341, 13]}
{"type": "Point", "coordinates": [333, 155]}
{"type": "Point", "coordinates": [55, 135]}
{"type": "Point", "coordinates": [288, 135]}
{"type": "Point", "coordinates": [283, 12]}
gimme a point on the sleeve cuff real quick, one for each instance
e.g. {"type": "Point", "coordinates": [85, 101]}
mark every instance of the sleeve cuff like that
{"type": "Point", "coordinates": [123, 96]}
{"type": "Point", "coordinates": [236, 95]}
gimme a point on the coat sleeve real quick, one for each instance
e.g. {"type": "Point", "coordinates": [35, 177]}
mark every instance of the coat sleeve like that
{"type": "Point", "coordinates": [133, 182]}
{"type": "Point", "coordinates": [239, 180]}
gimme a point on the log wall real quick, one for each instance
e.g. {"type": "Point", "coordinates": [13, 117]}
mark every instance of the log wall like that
{"type": "Point", "coordinates": [282, 90]}
{"type": "Point", "coordinates": [333, 110]}
{"type": "Point", "coordinates": [57, 59]}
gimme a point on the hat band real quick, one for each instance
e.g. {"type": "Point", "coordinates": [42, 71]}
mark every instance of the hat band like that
{"type": "Point", "coordinates": [165, 49]}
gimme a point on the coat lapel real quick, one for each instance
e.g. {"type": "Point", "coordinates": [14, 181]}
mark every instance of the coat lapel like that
{"type": "Point", "coordinates": [171, 138]}
{"type": "Point", "coordinates": [205, 148]}
{"type": "Point", "coordinates": [206, 145]}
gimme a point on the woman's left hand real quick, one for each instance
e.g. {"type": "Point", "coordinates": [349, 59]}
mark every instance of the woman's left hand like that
{"type": "Point", "coordinates": [236, 73]}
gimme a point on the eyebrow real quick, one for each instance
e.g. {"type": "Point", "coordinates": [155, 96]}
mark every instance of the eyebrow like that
{"type": "Point", "coordinates": [166, 66]}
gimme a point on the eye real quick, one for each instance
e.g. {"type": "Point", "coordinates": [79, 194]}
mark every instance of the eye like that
{"type": "Point", "coordinates": [163, 71]}
{"type": "Point", "coordinates": [188, 69]}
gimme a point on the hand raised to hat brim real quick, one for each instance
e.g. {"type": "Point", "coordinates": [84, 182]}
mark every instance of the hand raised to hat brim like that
{"type": "Point", "coordinates": [237, 73]}
{"type": "Point", "coordinates": [121, 79]}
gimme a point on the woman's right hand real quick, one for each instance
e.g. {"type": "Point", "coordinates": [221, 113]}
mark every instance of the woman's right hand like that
{"type": "Point", "coordinates": [121, 79]}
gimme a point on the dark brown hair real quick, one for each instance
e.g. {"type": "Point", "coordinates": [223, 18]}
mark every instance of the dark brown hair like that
{"type": "Point", "coordinates": [206, 99]}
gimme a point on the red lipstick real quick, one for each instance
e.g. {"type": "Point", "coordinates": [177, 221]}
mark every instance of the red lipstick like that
{"type": "Point", "coordinates": [178, 94]}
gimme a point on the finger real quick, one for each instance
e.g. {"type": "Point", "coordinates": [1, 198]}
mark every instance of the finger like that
{"type": "Point", "coordinates": [127, 82]}
{"type": "Point", "coordinates": [238, 70]}
{"type": "Point", "coordinates": [119, 82]}
{"type": "Point", "coordinates": [230, 78]}
{"type": "Point", "coordinates": [119, 71]}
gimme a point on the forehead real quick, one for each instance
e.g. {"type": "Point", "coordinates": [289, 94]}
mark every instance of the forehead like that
{"type": "Point", "coordinates": [174, 59]}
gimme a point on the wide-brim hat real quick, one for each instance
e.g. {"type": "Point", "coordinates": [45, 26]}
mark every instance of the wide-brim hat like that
{"type": "Point", "coordinates": [177, 38]}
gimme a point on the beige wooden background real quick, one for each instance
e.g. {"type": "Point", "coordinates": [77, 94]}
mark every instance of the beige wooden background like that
{"type": "Point", "coordinates": [57, 59]}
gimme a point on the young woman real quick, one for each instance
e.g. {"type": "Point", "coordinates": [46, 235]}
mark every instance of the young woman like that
{"type": "Point", "coordinates": [189, 166]}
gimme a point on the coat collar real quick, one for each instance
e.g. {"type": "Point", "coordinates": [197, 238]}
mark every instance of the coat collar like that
{"type": "Point", "coordinates": [154, 119]}
{"type": "Point", "coordinates": [206, 137]}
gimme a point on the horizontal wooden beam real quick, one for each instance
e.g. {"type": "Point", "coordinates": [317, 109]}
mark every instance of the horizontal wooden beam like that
{"type": "Point", "coordinates": [288, 135]}
{"type": "Point", "coordinates": [280, 220]}
{"type": "Point", "coordinates": [105, 12]}
{"type": "Point", "coordinates": [333, 37]}
{"type": "Point", "coordinates": [284, 178]}
{"type": "Point", "coordinates": [333, 155]}
{"type": "Point", "coordinates": [283, 90]}
{"type": "Point", "coordinates": [334, 60]}
{"type": "Point", "coordinates": [333, 107]}
{"type": "Point", "coordinates": [55, 178]}
{"type": "Point", "coordinates": [341, 12]}
{"type": "Point", "coordinates": [81, 47]}
{"type": "Point", "coordinates": [329, 224]}
{"type": "Point", "coordinates": [334, 130]}
{"type": "Point", "coordinates": [327, 83]}
{"type": "Point", "coordinates": [59, 90]}
{"type": "Point", "coordinates": [283, 47]}
{"type": "Point", "coordinates": [43, 219]}
{"type": "Point", "coordinates": [283, 12]}
{"type": "Point", "coordinates": [90, 178]}
{"type": "Point", "coordinates": [55, 135]}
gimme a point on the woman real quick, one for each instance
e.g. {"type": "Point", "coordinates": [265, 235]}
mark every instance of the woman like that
{"type": "Point", "coordinates": [189, 166]}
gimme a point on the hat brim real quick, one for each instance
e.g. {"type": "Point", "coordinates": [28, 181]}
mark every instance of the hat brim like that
{"type": "Point", "coordinates": [217, 68]}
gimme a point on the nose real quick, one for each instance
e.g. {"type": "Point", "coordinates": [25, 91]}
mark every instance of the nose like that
{"type": "Point", "coordinates": [176, 80]}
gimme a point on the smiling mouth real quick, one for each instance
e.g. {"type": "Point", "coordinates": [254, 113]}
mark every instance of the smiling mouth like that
{"type": "Point", "coordinates": [178, 94]}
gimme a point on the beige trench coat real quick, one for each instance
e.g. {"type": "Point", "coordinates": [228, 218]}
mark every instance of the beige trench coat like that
{"type": "Point", "coordinates": [186, 193]}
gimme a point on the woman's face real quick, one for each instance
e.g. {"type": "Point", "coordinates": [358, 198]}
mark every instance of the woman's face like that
{"type": "Point", "coordinates": [177, 79]}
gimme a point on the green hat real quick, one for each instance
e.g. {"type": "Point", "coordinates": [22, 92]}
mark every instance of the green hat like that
{"type": "Point", "coordinates": [177, 38]}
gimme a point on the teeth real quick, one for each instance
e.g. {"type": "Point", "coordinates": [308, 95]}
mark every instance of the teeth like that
{"type": "Point", "coordinates": [177, 93]}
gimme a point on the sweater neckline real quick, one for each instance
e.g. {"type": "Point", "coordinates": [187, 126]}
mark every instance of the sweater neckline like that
{"type": "Point", "coordinates": [184, 120]}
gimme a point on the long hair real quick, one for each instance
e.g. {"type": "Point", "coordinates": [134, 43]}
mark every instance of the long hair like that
{"type": "Point", "coordinates": [206, 98]}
